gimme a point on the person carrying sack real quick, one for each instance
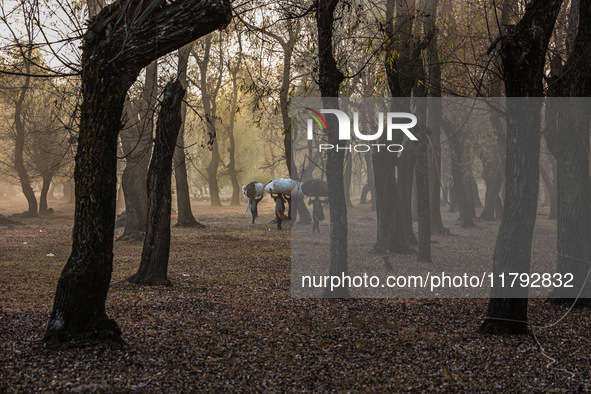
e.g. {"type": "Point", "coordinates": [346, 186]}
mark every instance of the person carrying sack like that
{"type": "Point", "coordinates": [253, 205]}
{"type": "Point", "coordinates": [317, 212]}
{"type": "Point", "coordinates": [279, 209]}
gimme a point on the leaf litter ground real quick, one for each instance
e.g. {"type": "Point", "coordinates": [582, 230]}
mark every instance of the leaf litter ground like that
{"type": "Point", "coordinates": [229, 323]}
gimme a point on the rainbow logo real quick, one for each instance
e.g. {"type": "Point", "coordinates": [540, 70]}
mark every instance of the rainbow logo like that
{"type": "Point", "coordinates": [317, 117]}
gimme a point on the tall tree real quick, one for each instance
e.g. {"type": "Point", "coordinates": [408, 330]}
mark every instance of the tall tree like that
{"type": "Point", "coordinates": [136, 143]}
{"type": "Point", "coordinates": [493, 157]}
{"type": "Point", "coordinates": [422, 168]}
{"type": "Point", "coordinates": [329, 81]}
{"type": "Point", "coordinates": [209, 92]}
{"type": "Point", "coordinates": [20, 122]}
{"type": "Point", "coordinates": [122, 40]}
{"type": "Point", "coordinates": [234, 69]}
{"type": "Point", "coordinates": [154, 263]}
{"type": "Point", "coordinates": [434, 116]}
{"type": "Point", "coordinates": [573, 183]}
{"type": "Point", "coordinates": [523, 53]}
{"type": "Point", "coordinates": [183, 199]}
{"type": "Point", "coordinates": [392, 213]}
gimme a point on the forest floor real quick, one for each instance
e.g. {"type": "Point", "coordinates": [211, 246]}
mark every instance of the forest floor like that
{"type": "Point", "coordinates": [229, 323]}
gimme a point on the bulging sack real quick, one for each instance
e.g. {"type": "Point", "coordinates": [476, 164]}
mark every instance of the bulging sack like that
{"type": "Point", "coordinates": [285, 186]}
{"type": "Point", "coordinates": [253, 190]}
{"type": "Point", "coordinates": [315, 188]}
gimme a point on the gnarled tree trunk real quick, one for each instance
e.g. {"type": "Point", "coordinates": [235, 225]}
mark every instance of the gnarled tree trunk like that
{"type": "Point", "coordinates": [111, 61]}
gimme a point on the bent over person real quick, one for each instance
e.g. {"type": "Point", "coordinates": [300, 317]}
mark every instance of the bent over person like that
{"type": "Point", "coordinates": [253, 204]}
{"type": "Point", "coordinates": [279, 209]}
{"type": "Point", "coordinates": [317, 212]}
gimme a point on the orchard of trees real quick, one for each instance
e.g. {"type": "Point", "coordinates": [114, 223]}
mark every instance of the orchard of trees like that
{"type": "Point", "coordinates": [133, 125]}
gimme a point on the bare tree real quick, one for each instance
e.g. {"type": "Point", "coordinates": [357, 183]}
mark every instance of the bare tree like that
{"type": "Point", "coordinates": [185, 213]}
{"type": "Point", "coordinates": [209, 93]}
{"type": "Point", "coordinates": [234, 70]}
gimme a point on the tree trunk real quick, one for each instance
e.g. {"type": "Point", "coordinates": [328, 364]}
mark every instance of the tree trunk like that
{"type": "Point", "coordinates": [434, 115]}
{"type": "Point", "coordinates": [371, 182]}
{"type": "Point", "coordinates": [523, 53]}
{"type": "Point", "coordinates": [183, 197]}
{"type": "Point", "coordinates": [293, 30]}
{"type": "Point", "coordinates": [493, 161]}
{"type": "Point", "coordinates": [212, 175]}
{"type": "Point", "coordinates": [19, 147]}
{"type": "Point", "coordinates": [462, 191]}
{"type": "Point", "coordinates": [329, 81]}
{"type": "Point", "coordinates": [154, 263]}
{"type": "Point", "coordinates": [574, 233]}
{"type": "Point", "coordinates": [422, 186]}
{"type": "Point", "coordinates": [550, 190]}
{"type": "Point", "coordinates": [393, 197]}
{"type": "Point", "coordinates": [493, 179]}
{"type": "Point", "coordinates": [390, 231]}
{"type": "Point", "coordinates": [475, 195]}
{"type": "Point", "coordinates": [43, 206]}
{"type": "Point", "coordinates": [51, 192]}
{"type": "Point", "coordinates": [347, 179]}
{"type": "Point", "coordinates": [136, 142]}
{"type": "Point", "coordinates": [232, 171]}
{"type": "Point", "coordinates": [209, 91]}
{"type": "Point", "coordinates": [69, 196]}
{"type": "Point", "coordinates": [573, 204]}
{"type": "Point", "coordinates": [111, 63]}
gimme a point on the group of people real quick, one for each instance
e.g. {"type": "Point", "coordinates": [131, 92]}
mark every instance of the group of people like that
{"type": "Point", "coordinates": [280, 201]}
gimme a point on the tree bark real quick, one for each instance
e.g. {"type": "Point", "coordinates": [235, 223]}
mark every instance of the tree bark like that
{"type": "Point", "coordinates": [329, 81]}
{"type": "Point", "coordinates": [111, 61]}
{"type": "Point", "coordinates": [523, 53]}
{"type": "Point", "coordinates": [154, 263]}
